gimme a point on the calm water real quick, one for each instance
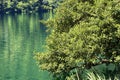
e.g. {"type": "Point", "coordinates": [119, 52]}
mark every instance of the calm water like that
{"type": "Point", "coordinates": [20, 37]}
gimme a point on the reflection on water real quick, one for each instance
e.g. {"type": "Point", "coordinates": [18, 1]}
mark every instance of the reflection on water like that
{"type": "Point", "coordinates": [20, 36]}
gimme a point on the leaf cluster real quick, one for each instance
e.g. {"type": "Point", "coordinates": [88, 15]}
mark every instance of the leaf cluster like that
{"type": "Point", "coordinates": [84, 33]}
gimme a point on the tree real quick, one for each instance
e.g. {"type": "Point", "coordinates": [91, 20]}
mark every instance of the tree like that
{"type": "Point", "coordinates": [18, 6]}
{"type": "Point", "coordinates": [84, 33]}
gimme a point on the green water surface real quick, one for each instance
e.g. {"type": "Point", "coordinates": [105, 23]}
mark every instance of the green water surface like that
{"type": "Point", "coordinates": [21, 35]}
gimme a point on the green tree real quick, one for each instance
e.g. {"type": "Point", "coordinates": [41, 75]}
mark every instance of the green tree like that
{"type": "Point", "coordinates": [12, 6]}
{"type": "Point", "coordinates": [84, 33]}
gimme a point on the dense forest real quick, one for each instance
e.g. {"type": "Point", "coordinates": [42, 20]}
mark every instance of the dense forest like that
{"type": "Point", "coordinates": [84, 43]}
{"type": "Point", "coordinates": [18, 6]}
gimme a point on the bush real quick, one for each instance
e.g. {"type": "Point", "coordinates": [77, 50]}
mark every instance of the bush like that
{"type": "Point", "coordinates": [84, 33]}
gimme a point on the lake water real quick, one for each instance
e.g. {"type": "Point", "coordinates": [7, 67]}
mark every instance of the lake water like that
{"type": "Point", "coordinates": [21, 35]}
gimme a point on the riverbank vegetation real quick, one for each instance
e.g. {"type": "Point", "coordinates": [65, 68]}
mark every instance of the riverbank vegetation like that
{"type": "Point", "coordinates": [27, 6]}
{"type": "Point", "coordinates": [84, 40]}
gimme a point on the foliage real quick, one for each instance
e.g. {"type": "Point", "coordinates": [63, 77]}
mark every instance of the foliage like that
{"type": "Point", "coordinates": [51, 4]}
{"type": "Point", "coordinates": [84, 33]}
{"type": "Point", "coordinates": [96, 75]}
{"type": "Point", "coordinates": [27, 5]}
